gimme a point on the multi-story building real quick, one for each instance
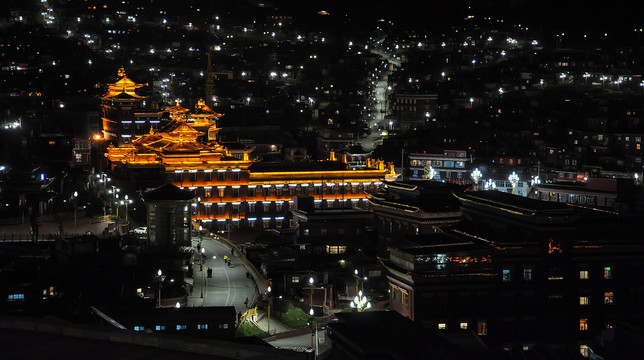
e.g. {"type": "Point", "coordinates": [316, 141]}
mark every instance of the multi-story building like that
{"type": "Point", "coordinates": [522, 274]}
{"type": "Point", "coordinates": [450, 166]}
{"type": "Point", "coordinates": [413, 110]}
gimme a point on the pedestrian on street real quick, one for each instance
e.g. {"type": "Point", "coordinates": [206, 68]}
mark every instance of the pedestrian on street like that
{"type": "Point", "coordinates": [232, 251]}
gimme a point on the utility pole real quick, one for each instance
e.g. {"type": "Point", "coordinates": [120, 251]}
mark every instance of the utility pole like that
{"type": "Point", "coordinates": [402, 164]}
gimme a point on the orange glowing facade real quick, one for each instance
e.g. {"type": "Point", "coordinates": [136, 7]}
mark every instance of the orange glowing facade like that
{"type": "Point", "coordinates": [230, 188]}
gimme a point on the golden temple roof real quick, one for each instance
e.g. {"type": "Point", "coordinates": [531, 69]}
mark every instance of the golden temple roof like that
{"type": "Point", "coordinates": [124, 86]}
{"type": "Point", "coordinates": [177, 109]}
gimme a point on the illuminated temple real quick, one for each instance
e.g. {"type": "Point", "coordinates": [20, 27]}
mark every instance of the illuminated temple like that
{"type": "Point", "coordinates": [229, 187]}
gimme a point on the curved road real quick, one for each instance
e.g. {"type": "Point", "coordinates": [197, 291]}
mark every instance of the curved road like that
{"type": "Point", "coordinates": [229, 286]}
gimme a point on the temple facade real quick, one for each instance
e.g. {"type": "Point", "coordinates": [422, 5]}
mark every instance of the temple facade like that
{"type": "Point", "coordinates": [230, 188]}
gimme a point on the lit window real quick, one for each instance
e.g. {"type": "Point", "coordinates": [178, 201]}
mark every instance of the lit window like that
{"type": "Point", "coordinates": [527, 274]}
{"type": "Point", "coordinates": [202, 326]}
{"type": "Point", "coordinates": [507, 275]}
{"type": "Point", "coordinates": [159, 327]}
{"type": "Point", "coordinates": [583, 324]}
{"type": "Point", "coordinates": [583, 274]}
{"type": "Point", "coordinates": [442, 326]}
{"type": "Point", "coordinates": [139, 328]}
{"type": "Point", "coordinates": [295, 279]}
{"type": "Point", "coordinates": [608, 297]}
{"type": "Point", "coordinates": [584, 350]}
{"type": "Point", "coordinates": [583, 300]}
{"type": "Point", "coordinates": [608, 272]}
{"type": "Point", "coordinates": [16, 297]}
{"type": "Point", "coordinates": [181, 327]}
{"type": "Point", "coordinates": [481, 328]}
{"type": "Point", "coordinates": [464, 325]}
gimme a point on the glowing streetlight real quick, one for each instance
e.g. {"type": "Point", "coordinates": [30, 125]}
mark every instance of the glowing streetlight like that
{"type": "Point", "coordinates": [586, 76]}
{"type": "Point", "coordinates": [360, 303]}
{"type": "Point", "coordinates": [476, 175]}
{"type": "Point", "coordinates": [514, 179]}
{"type": "Point", "coordinates": [430, 172]}
{"type": "Point", "coordinates": [270, 300]}
{"type": "Point", "coordinates": [75, 208]}
{"type": "Point", "coordinates": [203, 277]}
{"type": "Point", "coordinates": [535, 181]}
{"type": "Point", "coordinates": [490, 185]}
{"type": "Point", "coordinates": [160, 279]}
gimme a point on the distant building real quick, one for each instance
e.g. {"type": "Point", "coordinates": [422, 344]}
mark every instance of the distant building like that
{"type": "Point", "coordinates": [450, 166]}
{"type": "Point", "coordinates": [414, 110]}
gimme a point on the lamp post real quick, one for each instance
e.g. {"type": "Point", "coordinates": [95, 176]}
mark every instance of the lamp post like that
{"type": "Point", "coordinates": [476, 175]}
{"type": "Point", "coordinates": [535, 181]}
{"type": "Point", "coordinates": [160, 279]}
{"type": "Point", "coordinates": [489, 185]}
{"type": "Point", "coordinates": [355, 273]}
{"type": "Point", "coordinates": [586, 76]}
{"type": "Point", "coordinates": [203, 278]}
{"type": "Point", "coordinates": [270, 300]}
{"type": "Point", "coordinates": [430, 172]}
{"type": "Point", "coordinates": [311, 312]}
{"type": "Point", "coordinates": [360, 303]}
{"type": "Point", "coordinates": [127, 201]}
{"type": "Point", "coordinates": [514, 179]}
{"type": "Point", "coordinates": [75, 209]}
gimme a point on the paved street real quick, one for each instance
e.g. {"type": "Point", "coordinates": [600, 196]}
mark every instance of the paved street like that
{"type": "Point", "coordinates": [229, 286]}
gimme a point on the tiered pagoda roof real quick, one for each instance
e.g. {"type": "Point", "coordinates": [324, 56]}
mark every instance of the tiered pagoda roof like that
{"type": "Point", "coordinates": [123, 88]}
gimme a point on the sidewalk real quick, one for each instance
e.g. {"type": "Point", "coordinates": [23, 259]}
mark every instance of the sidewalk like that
{"type": "Point", "coordinates": [277, 326]}
{"type": "Point", "coordinates": [82, 225]}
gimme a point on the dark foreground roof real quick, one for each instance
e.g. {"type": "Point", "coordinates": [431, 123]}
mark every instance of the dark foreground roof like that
{"type": "Point", "coordinates": [168, 192]}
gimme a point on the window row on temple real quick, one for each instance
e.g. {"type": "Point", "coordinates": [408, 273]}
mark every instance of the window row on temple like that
{"type": "Point", "coordinates": [205, 210]}
{"type": "Point", "coordinates": [181, 176]}
{"type": "Point", "coordinates": [251, 191]}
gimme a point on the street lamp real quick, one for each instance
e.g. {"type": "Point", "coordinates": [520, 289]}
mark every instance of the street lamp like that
{"type": "Point", "coordinates": [476, 175]}
{"type": "Point", "coordinates": [514, 179]}
{"type": "Point", "coordinates": [311, 312]}
{"type": "Point", "coordinates": [360, 303]}
{"type": "Point", "coordinates": [490, 185]}
{"type": "Point", "coordinates": [160, 278]}
{"type": "Point", "coordinates": [586, 76]}
{"type": "Point", "coordinates": [430, 172]}
{"type": "Point", "coordinates": [471, 102]}
{"type": "Point", "coordinates": [270, 300]}
{"type": "Point", "coordinates": [535, 181]}
{"type": "Point", "coordinates": [127, 201]}
{"type": "Point", "coordinates": [203, 278]}
{"type": "Point", "coordinates": [75, 209]}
